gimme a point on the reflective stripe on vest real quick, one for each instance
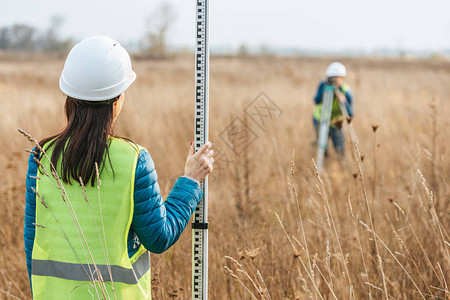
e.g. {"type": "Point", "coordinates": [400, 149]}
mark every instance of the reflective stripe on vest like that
{"type": "Point", "coordinates": [83, 272]}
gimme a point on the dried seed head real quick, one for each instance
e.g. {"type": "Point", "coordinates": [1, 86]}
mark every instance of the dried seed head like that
{"type": "Point", "coordinates": [314, 260]}
{"type": "Point", "coordinates": [327, 259]}
{"type": "Point", "coordinates": [299, 244]}
{"type": "Point", "coordinates": [30, 138]}
{"type": "Point", "coordinates": [38, 225]}
{"type": "Point", "coordinates": [36, 192]}
{"type": "Point", "coordinates": [55, 175]}
{"type": "Point", "coordinates": [288, 181]}
{"type": "Point", "coordinates": [82, 184]}
{"type": "Point", "coordinates": [44, 203]}
{"type": "Point", "coordinates": [380, 262]}
{"type": "Point", "coordinates": [399, 208]}
{"type": "Point", "coordinates": [399, 238]}
{"type": "Point", "coordinates": [31, 151]}
{"type": "Point", "coordinates": [252, 253]}
{"type": "Point", "coordinates": [41, 166]}
{"type": "Point", "coordinates": [37, 162]}
{"type": "Point", "coordinates": [293, 163]}
{"type": "Point", "coordinates": [351, 207]}
{"type": "Point", "coordinates": [97, 173]}
{"type": "Point", "coordinates": [27, 135]}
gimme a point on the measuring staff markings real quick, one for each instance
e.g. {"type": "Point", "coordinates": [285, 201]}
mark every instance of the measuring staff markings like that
{"type": "Point", "coordinates": [200, 224]}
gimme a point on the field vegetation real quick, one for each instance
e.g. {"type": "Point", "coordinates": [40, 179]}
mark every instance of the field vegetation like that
{"type": "Point", "coordinates": [376, 228]}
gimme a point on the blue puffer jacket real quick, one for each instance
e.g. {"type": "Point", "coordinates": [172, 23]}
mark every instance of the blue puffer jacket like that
{"type": "Point", "coordinates": [157, 224]}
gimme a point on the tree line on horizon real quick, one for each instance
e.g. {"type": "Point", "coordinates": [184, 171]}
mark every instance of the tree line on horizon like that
{"type": "Point", "coordinates": [25, 38]}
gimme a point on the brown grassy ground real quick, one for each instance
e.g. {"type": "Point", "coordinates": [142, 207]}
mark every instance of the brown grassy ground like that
{"type": "Point", "coordinates": [302, 258]}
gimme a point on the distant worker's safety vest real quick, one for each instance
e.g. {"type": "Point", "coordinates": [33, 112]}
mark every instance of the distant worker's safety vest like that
{"type": "Point", "coordinates": [80, 247]}
{"type": "Point", "coordinates": [336, 110]}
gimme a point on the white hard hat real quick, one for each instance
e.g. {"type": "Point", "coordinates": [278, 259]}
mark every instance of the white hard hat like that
{"type": "Point", "coordinates": [98, 68]}
{"type": "Point", "coordinates": [336, 69]}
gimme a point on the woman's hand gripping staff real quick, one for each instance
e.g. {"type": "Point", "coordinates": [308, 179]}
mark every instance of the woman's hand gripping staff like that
{"type": "Point", "coordinates": [199, 164]}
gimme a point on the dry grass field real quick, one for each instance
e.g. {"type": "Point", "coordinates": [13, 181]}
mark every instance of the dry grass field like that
{"type": "Point", "coordinates": [379, 228]}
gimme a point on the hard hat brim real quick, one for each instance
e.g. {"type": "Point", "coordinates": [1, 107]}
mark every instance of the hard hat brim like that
{"type": "Point", "coordinates": [99, 94]}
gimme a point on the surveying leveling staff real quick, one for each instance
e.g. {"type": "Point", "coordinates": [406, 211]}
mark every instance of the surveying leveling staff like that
{"type": "Point", "coordinates": [335, 76]}
{"type": "Point", "coordinates": [134, 217]}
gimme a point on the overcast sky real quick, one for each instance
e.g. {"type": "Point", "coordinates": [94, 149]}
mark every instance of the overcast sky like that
{"type": "Point", "coordinates": [320, 25]}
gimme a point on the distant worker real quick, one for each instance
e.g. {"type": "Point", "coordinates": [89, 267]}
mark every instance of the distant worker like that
{"type": "Point", "coordinates": [335, 77]}
{"type": "Point", "coordinates": [96, 243]}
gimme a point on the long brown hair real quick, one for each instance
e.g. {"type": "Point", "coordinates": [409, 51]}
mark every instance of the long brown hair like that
{"type": "Point", "coordinates": [84, 141]}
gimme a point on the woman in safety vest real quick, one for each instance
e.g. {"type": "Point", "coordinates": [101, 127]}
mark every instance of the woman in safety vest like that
{"type": "Point", "coordinates": [93, 205]}
{"type": "Point", "coordinates": [343, 94]}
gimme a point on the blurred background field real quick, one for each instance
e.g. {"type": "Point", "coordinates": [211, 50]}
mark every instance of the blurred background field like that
{"type": "Point", "coordinates": [273, 176]}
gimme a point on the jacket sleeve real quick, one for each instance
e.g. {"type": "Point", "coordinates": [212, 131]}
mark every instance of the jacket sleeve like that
{"type": "Point", "coordinates": [349, 102]}
{"type": "Point", "coordinates": [319, 94]}
{"type": "Point", "coordinates": [30, 212]}
{"type": "Point", "coordinates": [157, 223]}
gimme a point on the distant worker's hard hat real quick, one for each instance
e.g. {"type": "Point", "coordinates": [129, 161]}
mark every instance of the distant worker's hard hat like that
{"type": "Point", "coordinates": [336, 69]}
{"type": "Point", "coordinates": [98, 68]}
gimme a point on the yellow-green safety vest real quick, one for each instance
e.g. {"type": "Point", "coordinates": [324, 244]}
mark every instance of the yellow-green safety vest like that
{"type": "Point", "coordinates": [335, 110]}
{"type": "Point", "coordinates": [80, 247]}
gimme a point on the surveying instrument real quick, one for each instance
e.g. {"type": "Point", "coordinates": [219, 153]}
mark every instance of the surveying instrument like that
{"type": "Point", "coordinates": [200, 223]}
